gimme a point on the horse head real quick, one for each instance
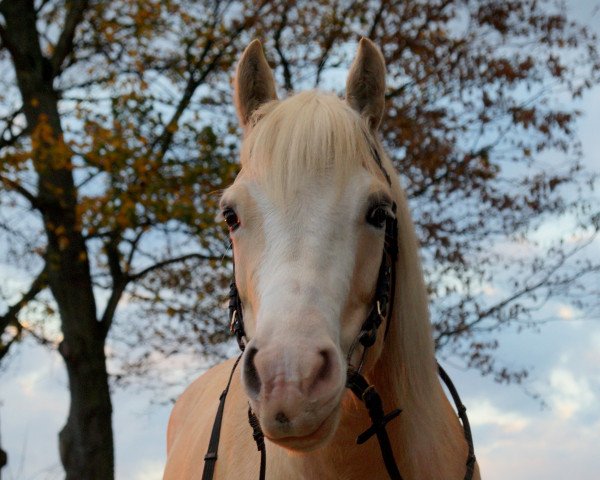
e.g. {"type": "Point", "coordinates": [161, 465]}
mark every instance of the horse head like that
{"type": "Point", "coordinates": [307, 217]}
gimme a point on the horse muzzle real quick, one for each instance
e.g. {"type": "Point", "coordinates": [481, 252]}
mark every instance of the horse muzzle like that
{"type": "Point", "coordinates": [295, 389]}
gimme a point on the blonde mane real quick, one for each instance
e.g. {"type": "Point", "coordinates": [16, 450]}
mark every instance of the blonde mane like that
{"type": "Point", "coordinates": [302, 137]}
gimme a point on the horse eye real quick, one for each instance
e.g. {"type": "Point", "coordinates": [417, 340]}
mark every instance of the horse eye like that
{"type": "Point", "coordinates": [377, 216]}
{"type": "Point", "coordinates": [231, 219]}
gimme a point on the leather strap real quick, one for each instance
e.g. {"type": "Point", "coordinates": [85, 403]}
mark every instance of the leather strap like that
{"type": "Point", "coordinates": [213, 445]}
{"type": "Point", "coordinates": [259, 438]}
{"type": "Point", "coordinates": [369, 396]}
{"type": "Point", "coordinates": [236, 314]}
{"type": "Point", "coordinates": [462, 414]}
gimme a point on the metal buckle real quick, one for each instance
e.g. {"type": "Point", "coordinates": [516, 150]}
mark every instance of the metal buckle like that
{"type": "Point", "coordinates": [232, 322]}
{"type": "Point", "coordinates": [380, 313]}
{"type": "Point", "coordinates": [362, 360]}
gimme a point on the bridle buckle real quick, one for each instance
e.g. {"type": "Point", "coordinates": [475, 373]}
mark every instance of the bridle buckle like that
{"type": "Point", "coordinates": [381, 311]}
{"type": "Point", "coordinates": [232, 327]}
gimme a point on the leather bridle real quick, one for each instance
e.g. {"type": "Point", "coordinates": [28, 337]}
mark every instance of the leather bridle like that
{"type": "Point", "coordinates": [380, 312]}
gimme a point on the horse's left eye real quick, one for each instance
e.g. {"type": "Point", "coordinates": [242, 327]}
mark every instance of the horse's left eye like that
{"type": "Point", "coordinates": [377, 216]}
{"type": "Point", "coordinates": [231, 219]}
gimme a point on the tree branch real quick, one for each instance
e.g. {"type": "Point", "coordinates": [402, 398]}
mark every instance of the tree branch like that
{"type": "Point", "coordinates": [287, 74]}
{"type": "Point", "coordinates": [43, 3]}
{"type": "Point", "coordinates": [30, 197]}
{"type": "Point", "coordinates": [377, 19]}
{"type": "Point", "coordinates": [15, 51]}
{"type": "Point", "coordinates": [119, 281]}
{"type": "Point", "coordinates": [330, 40]}
{"type": "Point", "coordinates": [64, 46]}
{"type": "Point", "coordinates": [3, 36]}
{"type": "Point", "coordinates": [11, 138]}
{"type": "Point", "coordinates": [5, 347]}
{"type": "Point", "coordinates": [171, 261]}
{"type": "Point", "coordinates": [525, 290]}
{"type": "Point", "coordinates": [197, 77]}
{"type": "Point", "coordinates": [36, 287]}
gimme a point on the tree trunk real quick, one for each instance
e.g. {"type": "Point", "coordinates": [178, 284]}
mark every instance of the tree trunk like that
{"type": "Point", "coordinates": [86, 441]}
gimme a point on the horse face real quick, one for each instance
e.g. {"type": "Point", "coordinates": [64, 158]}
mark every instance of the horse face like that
{"type": "Point", "coordinates": [307, 259]}
{"type": "Point", "coordinates": [306, 274]}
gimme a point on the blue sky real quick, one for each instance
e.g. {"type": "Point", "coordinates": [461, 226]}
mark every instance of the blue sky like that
{"type": "Point", "coordinates": [515, 435]}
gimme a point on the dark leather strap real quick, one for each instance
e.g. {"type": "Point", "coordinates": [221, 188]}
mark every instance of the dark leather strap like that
{"type": "Point", "coordinates": [236, 314]}
{"type": "Point", "coordinates": [382, 304]}
{"type": "Point", "coordinates": [259, 438]}
{"type": "Point", "coordinates": [462, 413]}
{"type": "Point", "coordinates": [377, 157]}
{"type": "Point", "coordinates": [369, 396]}
{"type": "Point", "coordinates": [213, 445]}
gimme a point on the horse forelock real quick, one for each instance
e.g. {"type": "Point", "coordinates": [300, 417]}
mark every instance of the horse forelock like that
{"type": "Point", "coordinates": [308, 136]}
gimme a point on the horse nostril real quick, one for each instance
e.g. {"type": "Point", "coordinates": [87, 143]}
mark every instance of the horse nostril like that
{"type": "Point", "coordinates": [282, 418]}
{"type": "Point", "coordinates": [251, 376]}
{"type": "Point", "coordinates": [324, 372]}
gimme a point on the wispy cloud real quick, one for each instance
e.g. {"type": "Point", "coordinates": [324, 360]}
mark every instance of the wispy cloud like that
{"type": "Point", "coordinates": [571, 394]}
{"type": "Point", "coordinates": [484, 413]}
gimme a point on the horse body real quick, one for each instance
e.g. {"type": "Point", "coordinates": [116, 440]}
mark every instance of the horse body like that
{"type": "Point", "coordinates": [304, 216]}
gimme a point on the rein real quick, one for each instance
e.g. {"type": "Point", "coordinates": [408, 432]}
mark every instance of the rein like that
{"type": "Point", "coordinates": [380, 312]}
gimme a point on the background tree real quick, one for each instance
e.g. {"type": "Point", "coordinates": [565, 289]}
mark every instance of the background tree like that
{"type": "Point", "coordinates": [118, 134]}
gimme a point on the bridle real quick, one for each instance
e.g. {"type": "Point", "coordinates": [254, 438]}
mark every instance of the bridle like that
{"type": "Point", "coordinates": [380, 311]}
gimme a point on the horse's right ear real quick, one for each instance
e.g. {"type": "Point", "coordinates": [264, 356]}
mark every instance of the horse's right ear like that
{"type": "Point", "coordinates": [365, 87]}
{"type": "Point", "coordinates": [253, 83]}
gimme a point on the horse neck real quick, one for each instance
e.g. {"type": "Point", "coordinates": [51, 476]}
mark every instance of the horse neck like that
{"type": "Point", "coordinates": [428, 441]}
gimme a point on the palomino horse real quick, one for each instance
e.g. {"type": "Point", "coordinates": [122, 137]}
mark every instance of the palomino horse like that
{"type": "Point", "coordinates": [309, 215]}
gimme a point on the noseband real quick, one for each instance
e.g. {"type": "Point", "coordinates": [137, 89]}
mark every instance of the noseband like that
{"type": "Point", "coordinates": [380, 311]}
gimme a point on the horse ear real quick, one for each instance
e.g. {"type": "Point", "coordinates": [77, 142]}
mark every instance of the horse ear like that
{"type": "Point", "coordinates": [365, 87]}
{"type": "Point", "coordinates": [253, 83]}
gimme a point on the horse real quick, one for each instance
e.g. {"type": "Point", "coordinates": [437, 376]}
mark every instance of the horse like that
{"type": "Point", "coordinates": [308, 215]}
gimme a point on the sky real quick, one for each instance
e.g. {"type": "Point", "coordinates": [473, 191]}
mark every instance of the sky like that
{"type": "Point", "coordinates": [517, 436]}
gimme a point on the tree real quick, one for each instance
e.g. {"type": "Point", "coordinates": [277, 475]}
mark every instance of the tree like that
{"type": "Point", "coordinates": [118, 133]}
{"type": "Point", "coordinates": [51, 159]}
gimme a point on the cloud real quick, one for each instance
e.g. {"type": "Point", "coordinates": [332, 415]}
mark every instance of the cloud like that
{"type": "Point", "coordinates": [150, 470]}
{"type": "Point", "coordinates": [571, 394]}
{"type": "Point", "coordinates": [565, 312]}
{"type": "Point", "coordinates": [516, 439]}
{"type": "Point", "coordinates": [484, 413]}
